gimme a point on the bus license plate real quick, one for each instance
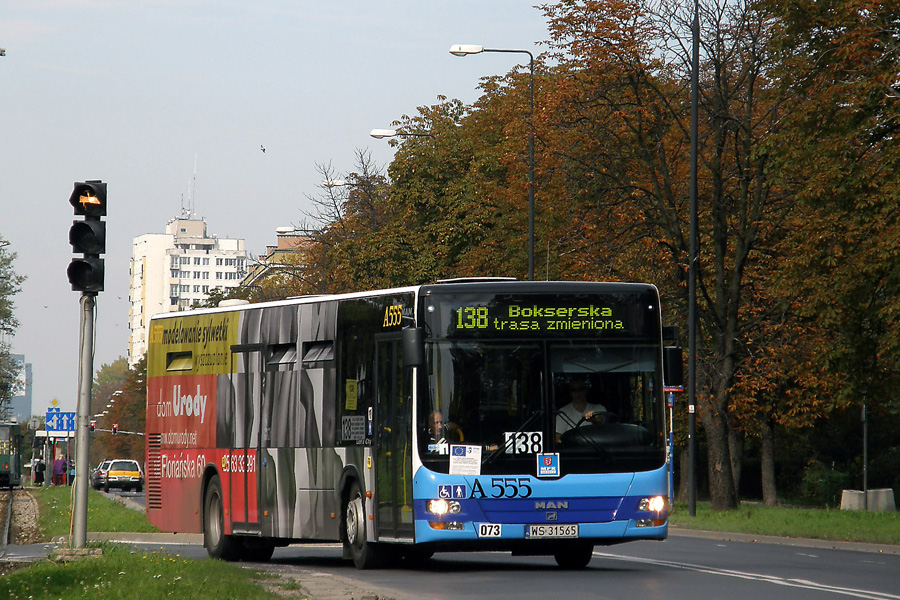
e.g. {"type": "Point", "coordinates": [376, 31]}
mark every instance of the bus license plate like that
{"type": "Point", "coordinates": [552, 531]}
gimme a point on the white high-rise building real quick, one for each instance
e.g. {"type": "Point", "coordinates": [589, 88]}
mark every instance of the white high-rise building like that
{"type": "Point", "coordinates": [171, 271]}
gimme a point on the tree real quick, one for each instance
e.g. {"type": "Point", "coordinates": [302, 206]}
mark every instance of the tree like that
{"type": "Point", "coordinates": [841, 151]}
{"type": "Point", "coordinates": [347, 231]}
{"type": "Point", "coordinates": [120, 392]}
{"type": "Point", "coordinates": [10, 285]}
{"type": "Point", "coordinates": [625, 145]}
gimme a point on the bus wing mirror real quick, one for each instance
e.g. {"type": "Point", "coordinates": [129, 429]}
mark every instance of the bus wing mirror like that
{"type": "Point", "coordinates": [413, 346]}
{"type": "Point", "coordinates": [673, 373]}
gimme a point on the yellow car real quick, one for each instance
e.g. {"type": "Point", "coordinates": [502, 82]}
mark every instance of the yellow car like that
{"type": "Point", "coordinates": [125, 475]}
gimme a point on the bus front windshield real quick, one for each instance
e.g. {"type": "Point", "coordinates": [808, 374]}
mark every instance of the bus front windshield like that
{"type": "Point", "coordinates": [596, 405]}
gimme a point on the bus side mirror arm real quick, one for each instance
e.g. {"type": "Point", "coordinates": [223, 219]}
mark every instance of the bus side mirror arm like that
{"type": "Point", "coordinates": [413, 346]}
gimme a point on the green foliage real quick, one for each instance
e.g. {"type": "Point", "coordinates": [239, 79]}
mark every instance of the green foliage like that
{"type": "Point", "coordinates": [10, 285]}
{"type": "Point", "coordinates": [799, 266]}
{"type": "Point", "coordinates": [9, 373]}
{"type": "Point", "coordinates": [822, 486]}
{"type": "Point", "coordinates": [125, 391]}
{"type": "Point", "coordinates": [825, 524]}
{"type": "Point", "coordinates": [125, 574]}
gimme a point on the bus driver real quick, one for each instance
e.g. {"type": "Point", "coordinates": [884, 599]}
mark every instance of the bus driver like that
{"type": "Point", "coordinates": [579, 409]}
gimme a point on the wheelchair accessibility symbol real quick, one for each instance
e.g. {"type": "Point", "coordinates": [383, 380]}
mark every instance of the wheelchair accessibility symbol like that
{"type": "Point", "coordinates": [452, 492]}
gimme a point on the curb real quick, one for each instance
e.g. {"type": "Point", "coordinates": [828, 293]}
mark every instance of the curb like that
{"type": "Point", "coordinates": [174, 539]}
{"type": "Point", "coordinates": [784, 541]}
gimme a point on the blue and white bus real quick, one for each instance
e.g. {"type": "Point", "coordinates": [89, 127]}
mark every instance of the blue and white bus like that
{"type": "Point", "coordinates": [463, 415]}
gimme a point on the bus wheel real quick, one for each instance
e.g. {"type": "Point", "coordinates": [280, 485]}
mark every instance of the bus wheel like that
{"type": "Point", "coordinates": [218, 545]}
{"type": "Point", "coordinates": [576, 556]}
{"type": "Point", "coordinates": [364, 554]}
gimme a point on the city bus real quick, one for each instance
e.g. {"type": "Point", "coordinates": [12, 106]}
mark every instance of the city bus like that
{"type": "Point", "coordinates": [410, 421]}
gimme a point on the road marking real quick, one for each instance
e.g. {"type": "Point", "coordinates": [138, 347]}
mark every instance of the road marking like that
{"type": "Point", "coordinates": [797, 583]}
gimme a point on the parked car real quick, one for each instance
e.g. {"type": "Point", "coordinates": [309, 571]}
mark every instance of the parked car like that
{"type": "Point", "coordinates": [98, 474]}
{"type": "Point", "coordinates": [125, 475]}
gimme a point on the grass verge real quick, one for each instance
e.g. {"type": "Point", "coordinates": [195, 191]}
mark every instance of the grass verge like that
{"type": "Point", "coordinates": [125, 574]}
{"type": "Point", "coordinates": [103, 514]}
{"type": "Point", "coordinates": [826, 524]}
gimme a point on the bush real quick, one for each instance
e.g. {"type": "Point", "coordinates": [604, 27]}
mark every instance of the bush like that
{"type": "Point", "coordinates": [821, 485]}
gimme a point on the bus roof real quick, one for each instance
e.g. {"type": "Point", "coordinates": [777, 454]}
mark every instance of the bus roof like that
{"type": "Point", "coordinates": [460, 285]}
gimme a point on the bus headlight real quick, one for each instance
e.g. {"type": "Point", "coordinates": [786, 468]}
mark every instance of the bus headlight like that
{"type": "Point", "coordinates": [443, 507]}
{"type": "Point", "coordinates": [655, 504]}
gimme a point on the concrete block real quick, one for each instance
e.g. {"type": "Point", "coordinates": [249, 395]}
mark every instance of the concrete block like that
{"type": "Point", "coordinates": [882, 500]}
{"type": "Point", "coordinates": [852, 500]}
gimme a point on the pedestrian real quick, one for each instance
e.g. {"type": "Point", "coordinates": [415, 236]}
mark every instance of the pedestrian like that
{"type": "Point", "coordinates": [59, 471]}
{"type": "Point", "coordinates": [37, 471]}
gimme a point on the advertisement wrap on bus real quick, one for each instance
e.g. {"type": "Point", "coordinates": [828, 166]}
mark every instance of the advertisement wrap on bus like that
{"type": "Point", "coordinates": [464, 415]}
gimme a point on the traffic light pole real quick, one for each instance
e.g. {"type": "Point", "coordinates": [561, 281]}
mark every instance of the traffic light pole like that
{"type": "Point", "coordinates": [82, 422]}
{"type": "Point", "coordinates": [88, 237]}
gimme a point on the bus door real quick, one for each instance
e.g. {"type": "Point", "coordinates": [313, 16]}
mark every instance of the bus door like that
{"type": "Point", "coordinates": [240, 468]}
{"type": "Point", "coordinates": [393, 445]}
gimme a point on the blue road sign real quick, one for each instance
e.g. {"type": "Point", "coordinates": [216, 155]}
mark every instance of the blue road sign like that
{"type": "Point", "coordinates": [59, 421]}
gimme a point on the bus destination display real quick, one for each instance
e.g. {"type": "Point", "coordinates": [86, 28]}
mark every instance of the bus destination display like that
{"type": "Point", "coordinates": [535, 318]}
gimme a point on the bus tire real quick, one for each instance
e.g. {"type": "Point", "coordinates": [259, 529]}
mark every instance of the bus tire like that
{"type": "Point", "coordinates": [218, 545]}
{"type": "Point", "coordinates": [364, 554]}
{"type": "Point", "coordinates": [575, 556]}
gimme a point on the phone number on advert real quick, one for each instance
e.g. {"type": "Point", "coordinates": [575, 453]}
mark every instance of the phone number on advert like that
{"type": "Point", "coordinates": [239, 463]}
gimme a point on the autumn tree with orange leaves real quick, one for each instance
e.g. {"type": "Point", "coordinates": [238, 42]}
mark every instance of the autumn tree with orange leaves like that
{"type": "Point", "coordinates": [794, 194]}
{"type": "Point", "coordinates": [628, 65]}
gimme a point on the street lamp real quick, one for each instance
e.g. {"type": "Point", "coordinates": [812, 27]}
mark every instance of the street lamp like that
{"type": "Point", "coordinates": [380, 134]}
{"type": "Point", "coordinates": [465, 50]}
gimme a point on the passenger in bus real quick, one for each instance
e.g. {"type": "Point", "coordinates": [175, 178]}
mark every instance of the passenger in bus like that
{"type": "Point", "coordinates": [579, 410]}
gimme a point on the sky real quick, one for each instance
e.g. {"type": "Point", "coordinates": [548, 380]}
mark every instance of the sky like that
{"type": "Point", "coordinates": [169, 102]}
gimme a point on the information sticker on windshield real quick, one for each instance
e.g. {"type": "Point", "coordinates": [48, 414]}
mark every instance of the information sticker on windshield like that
{"type": "Point", "coordinates": [465, 460]}
{"type": "Point", "coordinates": [523, 442]}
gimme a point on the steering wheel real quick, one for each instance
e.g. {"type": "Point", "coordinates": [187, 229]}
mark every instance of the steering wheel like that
{"type": "Point", "coordinates": [608, 417]}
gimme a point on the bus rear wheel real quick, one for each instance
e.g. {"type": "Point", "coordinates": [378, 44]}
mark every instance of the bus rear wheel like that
{"type": "Point", "coordinates": [218, 545]}
{"type": "Point", "coordinates": [575, 556]}
{"type": "Point", "coordinates": [364, 554]}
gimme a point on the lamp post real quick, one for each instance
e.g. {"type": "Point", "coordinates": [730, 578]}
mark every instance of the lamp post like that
{"type": "Point", "coordinates": [465, 50]}
{"type": "Point", "coordinates": [693, 264]}
{"type": "Point", "coordinates": [380, 134]}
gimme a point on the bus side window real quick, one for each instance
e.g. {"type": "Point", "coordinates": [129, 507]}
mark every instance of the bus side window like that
{"type": "Point", "coordinates": [282, 357]}
{"type": "Point", "coordinates": [179, 361]}
{"type": "Point", "coordinates": [316, 351]}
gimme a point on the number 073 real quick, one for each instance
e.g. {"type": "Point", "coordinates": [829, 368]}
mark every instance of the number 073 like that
{"type": "Point", "coordinates": [488, 530]}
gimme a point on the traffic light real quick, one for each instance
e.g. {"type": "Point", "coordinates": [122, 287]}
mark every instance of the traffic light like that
{"type": "Point", "coordinates": [115, 428]}
{"type": "Point", "coordinates": [93, 425]}
{"type": "Point", "coordinates": [88, 236]}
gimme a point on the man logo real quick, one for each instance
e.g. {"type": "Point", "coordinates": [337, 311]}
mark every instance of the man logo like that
{"type": "Point", "coordinates": [552, 516]}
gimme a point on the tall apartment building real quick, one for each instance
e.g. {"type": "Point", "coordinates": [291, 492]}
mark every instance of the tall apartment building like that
{"type": "Point", "coordinates": [171, 271]}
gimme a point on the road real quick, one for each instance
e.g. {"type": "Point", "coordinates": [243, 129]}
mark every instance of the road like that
{"type": "Point", "coordinates": [681, 568]}
{"type": "Point", "coordinates": [684, 567]}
